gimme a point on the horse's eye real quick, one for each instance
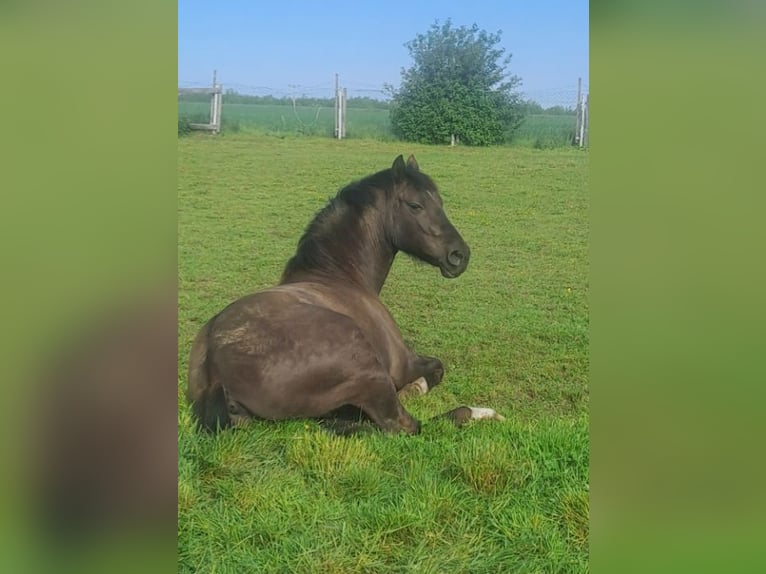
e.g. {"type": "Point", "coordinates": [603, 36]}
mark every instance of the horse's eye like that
{"type": "Point", "coordinates": [415, 206]}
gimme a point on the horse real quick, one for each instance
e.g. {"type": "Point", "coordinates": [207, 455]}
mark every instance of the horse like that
{"type": "Point", "coordinates": [321, 342]}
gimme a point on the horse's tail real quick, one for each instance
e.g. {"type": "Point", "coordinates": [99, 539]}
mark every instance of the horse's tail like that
{"type": "Point", "coordinates": [205, 393]}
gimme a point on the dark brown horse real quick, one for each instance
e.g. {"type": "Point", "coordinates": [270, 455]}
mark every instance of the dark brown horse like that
{"type": "Point", "coordinates": [321, 341]}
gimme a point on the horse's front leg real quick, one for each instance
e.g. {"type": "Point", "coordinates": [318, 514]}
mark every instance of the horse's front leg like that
{"type": "Point", "coordinates": [423, 374]}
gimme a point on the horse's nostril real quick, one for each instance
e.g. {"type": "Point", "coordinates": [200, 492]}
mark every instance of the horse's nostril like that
{"type": "Point", "coordinates": [455, 258]}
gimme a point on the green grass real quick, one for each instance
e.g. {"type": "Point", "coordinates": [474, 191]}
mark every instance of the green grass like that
{"type": "Point", "coordinates": [541, 131]}
{"type": "Point", "coordinates": [545, 131]}
{"type": "Point", "coordinates": [512, 332]}
{"type": "Point", "coordinates": [277, 119]}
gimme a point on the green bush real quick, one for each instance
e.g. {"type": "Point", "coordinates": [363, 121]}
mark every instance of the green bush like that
{"type": "Point", "coordinates": [184, 126]}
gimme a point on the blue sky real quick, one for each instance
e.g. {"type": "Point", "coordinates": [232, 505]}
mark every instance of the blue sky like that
{"type": "Point", "coordinates": [297, 46]}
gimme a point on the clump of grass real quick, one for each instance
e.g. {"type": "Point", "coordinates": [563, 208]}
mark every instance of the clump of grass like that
{"type": "Point", "coordinates": [488, 469]}
{"type": "Point", "coordinates": [230, 125]}
{"type": "Point", "coordinates": [322, 455]}
{"type": "Point", "coordinates": [438, 500]}
{"type": "Point", "coordinates": [573, 512]}
{"type": "Point", "coordinates": [184, 126]}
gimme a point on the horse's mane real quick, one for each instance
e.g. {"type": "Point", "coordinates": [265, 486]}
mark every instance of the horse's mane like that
{"type": "Point", "coordinates": [329, 232]}
{"type": "Point", "coordinates": [332, 225]}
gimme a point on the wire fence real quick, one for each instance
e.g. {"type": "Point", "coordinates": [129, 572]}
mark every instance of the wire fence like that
{"type": "Point", "coordinates": [553, 118]}
{"type": "Point", "coordinates": [565, 96]}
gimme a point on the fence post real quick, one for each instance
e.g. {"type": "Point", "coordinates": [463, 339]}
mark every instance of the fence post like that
{"type": "Point", "coordinates": [585, 120]}
{"type": "Point", "coordinates": [578, 113]}
{"type": "Point", "coordinates": [217, 99]}
{"type": "Point", "coordinates": [216, 103]}
{"type": "Point", "coordinates": [343, 113]}
{"type": "Point", "coordinates": [337, 133]}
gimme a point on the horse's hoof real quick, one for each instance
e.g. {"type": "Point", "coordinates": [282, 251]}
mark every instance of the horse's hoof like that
{"type": "Point", "coordinates": [485, 413]}
{"type": "Point", "coordinates": [421, 385]}
{"type": "Point", "coordinates": [416, 387]}
{"type": "Point", "coordinates": [463, 415]}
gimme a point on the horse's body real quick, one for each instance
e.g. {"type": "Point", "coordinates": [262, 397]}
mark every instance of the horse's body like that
{"type": "Point", "coordinates": [322, 339]}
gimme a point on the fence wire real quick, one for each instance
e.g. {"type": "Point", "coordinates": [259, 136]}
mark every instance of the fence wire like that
{"type": "Point", "coordinates": [549, 97]}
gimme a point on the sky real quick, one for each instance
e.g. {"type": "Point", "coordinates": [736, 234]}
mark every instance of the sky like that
{"type": "Point", "coordinates": [296, 47]}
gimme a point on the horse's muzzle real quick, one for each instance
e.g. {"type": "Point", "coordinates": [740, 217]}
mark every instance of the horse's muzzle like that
{"type": "Point", "coordinates": [455, 262]}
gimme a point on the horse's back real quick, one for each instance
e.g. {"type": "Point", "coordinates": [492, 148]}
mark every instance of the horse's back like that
{"type": "Point", "coordinates": [293, 304]}
{"type": "Point", "coordinates": [306, 302]}
{"type": "Point", "coordinates": [282, 312]}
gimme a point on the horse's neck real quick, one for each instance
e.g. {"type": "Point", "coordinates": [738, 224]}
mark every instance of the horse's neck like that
{"type": "Point", "coordinates": [363, 257]}
{"type": "Point", "coordinates": [375, 267]}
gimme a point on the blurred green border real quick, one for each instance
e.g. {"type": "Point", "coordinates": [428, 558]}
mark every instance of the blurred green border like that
{"type": "Point", "coordinates": [88, 193]}
{"type": "Point", "coordinates": [677, 264]}
{"type": "Point", "coordinates": [88, 217]}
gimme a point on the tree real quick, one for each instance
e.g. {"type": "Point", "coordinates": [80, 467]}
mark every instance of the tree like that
{"type": "Point", "coordinates": [458, 87]}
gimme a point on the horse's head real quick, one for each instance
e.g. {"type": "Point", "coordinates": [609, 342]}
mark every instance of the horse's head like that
{"type": "Point", "coordinates": [419, 225]}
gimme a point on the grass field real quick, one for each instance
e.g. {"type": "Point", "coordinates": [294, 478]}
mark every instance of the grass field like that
{"type": "Point", "coordinates": [545, 131]}
{"type": "Point", "coordinates": [512, 333]}
{"type": "Point", "coordinates": [542, 131]}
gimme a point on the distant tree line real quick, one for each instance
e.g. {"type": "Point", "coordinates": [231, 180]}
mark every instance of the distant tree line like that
{"type": "Point", "coordinates": [532, 108]}
{"type": "Point", "coordinates": [527, 107]}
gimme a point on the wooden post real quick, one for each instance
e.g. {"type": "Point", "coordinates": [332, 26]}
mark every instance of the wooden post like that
{"type": "Point", "coordinates": [212, 108]}
{"type": "Point", "coordinates": [578, 113]}
{"type": "Point", "coordinates": [343, 113]}
{"type": "Point", "coordinates": [585, 120]}
{"type": "Point", "coordinates": [216, 104]}
{"type": "Point", "coordinates": [337, 108]}
{"type": "Point", "coordinates": [218, 100]}
{"type": "Point", "coordinates": [213, 103]}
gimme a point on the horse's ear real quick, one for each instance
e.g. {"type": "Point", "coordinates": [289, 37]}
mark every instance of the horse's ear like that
{"type": "Point", "coordinates": [413, 163]}
{"type": "Point", "coordinates": [398, 168]}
